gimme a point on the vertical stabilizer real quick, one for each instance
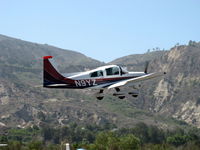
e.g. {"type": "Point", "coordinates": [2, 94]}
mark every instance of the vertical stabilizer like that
{"type": "Point", "coordinates": [51, 75]}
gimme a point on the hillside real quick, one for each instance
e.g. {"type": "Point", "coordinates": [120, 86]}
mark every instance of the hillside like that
{"type": "Point", "coordinates": [22, 98]}
{"type": "Point", "coordinates": [24, 103]}
{"type": "Point", "coordinates": [27, 54]}
{"type": "Point", "coordinates": [137, 61]}
{"type": "Point", "coordinates": [176, 95]}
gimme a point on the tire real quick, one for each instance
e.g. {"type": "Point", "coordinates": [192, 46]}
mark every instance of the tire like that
{"type": "Point", "coordinates": [121, 97]}
{"type": "Point", "coordinates": [99, 97]}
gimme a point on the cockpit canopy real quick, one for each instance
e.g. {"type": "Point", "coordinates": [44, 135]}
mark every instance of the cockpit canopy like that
{"type": "Point", "coordinates": [112, 71]}
{"type": "Point", "coordinates": [109, 71]}
{"type": "Point", "coordinates": [97, 74]}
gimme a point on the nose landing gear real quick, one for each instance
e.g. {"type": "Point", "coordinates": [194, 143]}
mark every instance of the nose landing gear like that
{"type": "Point", "coordinates": [100, 95]}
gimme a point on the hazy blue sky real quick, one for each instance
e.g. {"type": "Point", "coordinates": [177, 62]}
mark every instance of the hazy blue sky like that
{"type": "Point", "coordinates": [102, 29]}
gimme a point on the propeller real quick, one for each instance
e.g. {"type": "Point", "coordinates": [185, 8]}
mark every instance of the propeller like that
{"type": "Point", "coordinates": [146, 67]}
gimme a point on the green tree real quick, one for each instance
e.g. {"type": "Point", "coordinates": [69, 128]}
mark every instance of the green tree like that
{"type": "Point", "coordinates": [157, 147]}
{"type": "Point", "coordinates": [53, 147]}
{"type": "Point", "coordinates": [178, 140]}
{"type": "Point", "coordinates": [107, 141]}
{"type": "Point", "coordinates": [35, 145]}
{"type": "Point", "coordinates": [3, 139]}
{"type": "Point", "coordinates": [156, 135]}
{"type": "Point", "coordinates": [14, 145]}
{"type": "Point", "coordinates": [141, 131]}
{"type": "Point", "coordinates": [129, 142]}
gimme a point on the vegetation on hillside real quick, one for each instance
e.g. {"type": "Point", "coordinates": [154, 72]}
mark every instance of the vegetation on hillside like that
{"type": "Point", "coordinates": [107, 137]}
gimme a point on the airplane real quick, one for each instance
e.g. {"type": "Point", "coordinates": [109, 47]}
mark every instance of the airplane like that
{"type": "Point", "coordinates": [102, 78]}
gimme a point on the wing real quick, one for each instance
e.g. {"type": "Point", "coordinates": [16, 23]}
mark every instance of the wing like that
{"type": "Point", "coordinates": [130, 82]}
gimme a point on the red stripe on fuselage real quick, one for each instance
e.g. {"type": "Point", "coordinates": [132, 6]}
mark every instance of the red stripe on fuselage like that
{"type": "Point", "coordinates": [100, 81]}
{"type": "Point", "coordinates": [115, 78]}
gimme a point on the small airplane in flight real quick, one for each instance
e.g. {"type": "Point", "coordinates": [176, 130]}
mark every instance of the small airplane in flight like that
{"type": "Point", "coordinates": [101, 78]}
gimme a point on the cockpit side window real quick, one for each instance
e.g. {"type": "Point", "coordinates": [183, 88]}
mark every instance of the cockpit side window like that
{"type": "Point", "coordinates": [112, 71]}
{"type": "Point", "coordinates": [97, 74]}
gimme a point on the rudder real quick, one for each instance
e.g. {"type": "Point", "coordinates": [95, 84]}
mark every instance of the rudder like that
{"type": "Point", "coordinates": [51, 75]}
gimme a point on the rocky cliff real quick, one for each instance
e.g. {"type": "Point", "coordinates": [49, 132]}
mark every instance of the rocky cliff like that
{"type": "Point", "coordinates": [178, 93]}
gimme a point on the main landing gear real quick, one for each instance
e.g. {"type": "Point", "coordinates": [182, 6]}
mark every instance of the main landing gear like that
{"type": "Point", "coordinates": [119, 94]}
{"type": "Point", "coordinates": [99, 95]}
{"type": "Point", "coordinates": [133, 94]}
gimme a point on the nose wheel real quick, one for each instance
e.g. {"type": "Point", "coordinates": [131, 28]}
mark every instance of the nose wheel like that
{"type": "Point", "coordinates": [121, 97]}
{"type": "Point", "coordinates": [100, 95]}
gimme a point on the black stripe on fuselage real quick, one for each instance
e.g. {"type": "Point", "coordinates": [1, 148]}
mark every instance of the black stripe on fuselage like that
{"type": "Point", "coordinates": [99, 82]}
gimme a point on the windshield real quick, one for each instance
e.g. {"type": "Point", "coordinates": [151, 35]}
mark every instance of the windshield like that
{"type": "Point", "coordinates": [112, 71]}
{"type": "Point", "coordinates": [123, 70]}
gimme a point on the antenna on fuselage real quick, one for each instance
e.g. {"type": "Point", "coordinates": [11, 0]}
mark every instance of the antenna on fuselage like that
{"type": "Point", "coordinates": [146, 67]}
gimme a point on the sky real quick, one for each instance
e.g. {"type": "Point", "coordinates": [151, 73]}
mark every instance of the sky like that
{"type": "Point", "coordinates": [102, 29]}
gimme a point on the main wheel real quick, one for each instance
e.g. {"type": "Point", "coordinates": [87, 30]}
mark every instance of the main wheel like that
{"type": "Point", "coordinates": [135, 95]}
{"type": "Point", "coordinates": [121, 97]}
{"type": "Point", "coordinates": [99, 97]}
